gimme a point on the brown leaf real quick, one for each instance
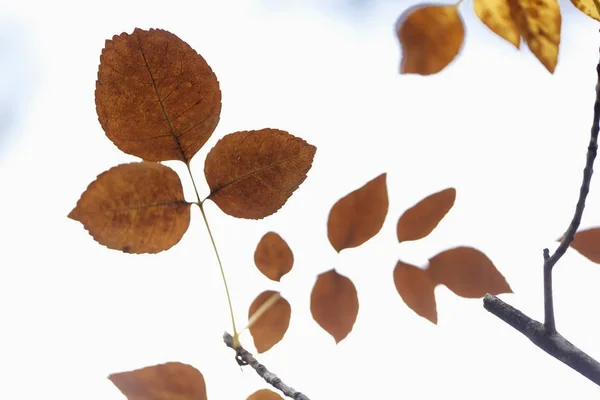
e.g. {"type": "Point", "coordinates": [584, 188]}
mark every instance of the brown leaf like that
{"type": "Point", "coordinates": [467, 272]}
{"type": "Point", "coordinates": [136, 208]}
{"type": "Point", "coordinates": [273, 257]}
{"type": "Point", "coordinates": [272, 325]}
{"type": "Point", "coordinates": [334, 304]}
{"type": "Point", "coordinates": [416, 289]}
{"type": "Point", "coordinates": [359, 216]}
{"type": "Point", "coordinates": [496, 15]}
{"type": "Point", "coordinates": [156, 97]}
{"type": "Point", "coordinates": [430, 36]}
{"type": "Point", "coordinates": [588, 8]}
{"type": "Point", "coordinates": [264, 394]}
{"type": "Point", "coordinates": [170, 381]}
{"type": "Point", "coordinates": [420, 220]}
{"type": "Point", "coordinates": [587, 243]}
{"type": "Point", "coordinates": [251, 174]}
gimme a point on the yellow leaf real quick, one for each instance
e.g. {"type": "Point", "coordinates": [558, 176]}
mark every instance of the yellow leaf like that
{"type": "Point", "coordinates": [496, 15]}
{"type": "Point", "coordinates": [273, 257]}
{"type": "Point", "coordinates": [588, 7]}
{"type": "Point", "coordinates": [270, 327]}
{"type": "Point", "coordinates": [420, 220]}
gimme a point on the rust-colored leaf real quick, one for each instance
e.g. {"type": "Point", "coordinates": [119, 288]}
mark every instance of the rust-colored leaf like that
{"type": "Point", "coordinates": [156, 97]}
{"type": "Point", "coordinates": [272, 324]}
{"type": "Point", "coordinates": [334, 304]}
{"type": "Point", "coordinates": [430, 36]}
{"type": "Point", "coordinates": [587, 243]}
{"type": "Point", "coordinates": [496, 15]}
{"type": "Point", "coordinates": [588, 8]}
{"type": "Point", "coordinates": [273, 257]}
{"type": "Point", "coordinates": [264, 394]}
{"type": "Point", "coordinates": [416, 289]}
{"type": "Point", "coordinates": [420, 220]}
{"type": "Point", "coordinates": [170, 381]}
{"type": "Point", "coordinates": [359, 216]}
{"type": "Point", "coordinates": [251, 174]}
{"type": "Point", "coordinates": [467, 272]}
{"type": "Point", "coordinates": [136, 208]}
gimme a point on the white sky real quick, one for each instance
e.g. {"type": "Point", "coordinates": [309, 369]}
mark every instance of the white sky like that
{"type": "Point", "coordinates": [509, 136]}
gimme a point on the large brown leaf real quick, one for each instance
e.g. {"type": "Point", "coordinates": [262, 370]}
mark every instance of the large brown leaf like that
{"type": "Point", "coordinates": [587, 243]}
{"type": "Point", "coordinates": [170, 381]}
{"type": "Point", "coordinates": [136, 208]}
{"type": "Point", "coordinates": [359, 216]}
{"type": "Point", "coordinates": [420, 220]}
{"type": "Point", "coordinates": [271, 326]}
{"type": "Point", "coordinates": [156, 97]}
{"type": "Point", "coordinates": [467, 272]}
{"type": "Point", "coordinates": [251, 174]}
{"type": "Point", "coordinates": [273, 257]}
{"type": "Point", "coordinates": [334, 304]}
{"type": "Point", "coordinates": [416, 289]}
{"type": "Point", "coordinates": [264, 394]}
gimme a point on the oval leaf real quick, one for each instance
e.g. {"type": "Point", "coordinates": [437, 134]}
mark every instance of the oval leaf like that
{"type": "Point", "coordinates": [588, 8]}
{"type": "Point", "coordinates": [420, 220]}
{"type": "Point", "coordinates": [136, 208]}
{"type": "Point", "coordinates": [359, 216]}
{"type": "Point", "coordinates": [264, 394]}
{"type": "Point", "coordinates": [273, 257]}
{"type": "Point", "coordinates": [430, 36]}
{"type": "Point", "coordinates": [251, 174]}
{"type": "Point", "coordinates": [416, 289]}
{"type": "Point", "coordinates": [169, 381]}
{"type": "Point", "coordinates": [587, 243]}
{"type": "Point", "coordinates": [467, 272]}
{"type": "Point", "coordinates": [334, 304]}
{"type": "Point", "coordinates": [272, 325]}
{"type": "Point", "coordinates": [496, 15]}
{"type": "Point", "coordinates": [156, 97]}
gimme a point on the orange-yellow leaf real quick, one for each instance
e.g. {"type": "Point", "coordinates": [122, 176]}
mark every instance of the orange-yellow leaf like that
{"type": "Point", "coordinates": [156, 97]}
{"type": "Point", "coordinates": [264, 394]}
{"type": "Point", "coordinates": [416, 289]}
{"type": "Point", "coordinates": [467, 272]}
{"type": "Point", "coordinates": [272, 324]}
{"type": "Point", "coordinates": [496, 15]}
{"type": "Point", "coordinates": [251, 174]}
{"type": "Point", "coordinates": [587, 243]}
{"type": "Point", "coordinates": [588, 8]}
{"type": "Point", "coordinates": [420, 220]}
{"type": "Point", "coordinates": [170, 381]}
{"type": "Point", "coordinates": [273, 257]}
{"type": "Point", "coordinates": [430, 36]}
{"type": "Point", "coordinates": [359, 216]}
{"type": "Point", "coordinates": [136, 208]}
{"type": "Point", "coordinates": [334, 304]}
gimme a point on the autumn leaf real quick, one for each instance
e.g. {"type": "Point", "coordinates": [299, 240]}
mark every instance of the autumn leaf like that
{"type": "Point", "coordinates": [264, 394]}
{"type": "Point", "coordinates": [496, 15]}
{"type": "Point", "coordinates": [156, 97]}
{"type": "Point", "coordinates": [359, 216]}
{"type": "Point", "coordinates": [467, 272]}
{"type": "Point", "coordinates": [170, 381]}
{"type": "Point", "coordinates": [136, 208]}
{"type": "Point", "coordinates": [430, 36]}
{"type": "Point", "coordinates": [587, 243]}
{"type": "Point", "coordinates": [334, 304]}
{"type": "Point", "coordinates": [588, 8]}
{"type": "Point", "coordinates": [273, 257]}
{"type": "Point", "coordinates": [416, 289]}
{"type": "Point", "coordinates": [420, 220]}
{"type": "Point", "coordinates": [251, 174]}
{"type": "Point", "coordinates": [271, 326]}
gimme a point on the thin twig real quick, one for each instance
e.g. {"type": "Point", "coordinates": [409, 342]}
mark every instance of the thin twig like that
{"type": "Point", "coordinates": [244, 357]}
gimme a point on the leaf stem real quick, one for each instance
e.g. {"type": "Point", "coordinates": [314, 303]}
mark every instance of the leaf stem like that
{"type": "Point", "coordinates": [263, 309]}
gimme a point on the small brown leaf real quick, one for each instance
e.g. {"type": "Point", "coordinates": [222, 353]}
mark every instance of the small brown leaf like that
{"type": "Point", "coordinates": [272, 325]}
{"type": "Point", "coordinates": [334, 304]}
{"type": "Point", "coordinates": [467, 272]}
{"type": "Point", "coordinates": [251, 174]}
{"type": "Point", "coordinates": [587, 243]}
{"type": "Point", "coordinates": [170, 381]}
{"type": "Point", "coordinates": [420, 220]}
{"type": "Point", "coordinates": [496, 15]}
{"type": "Point", "coordinates": [264, 394]}
{"type": "Point", "coordinates": [273, 257]}
{"type": "Point", "coordinates": [430, 36]}
{"type": "Point", "coordinates": [416, 289]}
{"type": "Point", "coordinates": [156, 97]}
{"type": "Point", "coordinates": [359, 216]}
{"type": "Point", "coordinates": [136, 208]}
{"type": "Point", "coordinates": [587, 7]}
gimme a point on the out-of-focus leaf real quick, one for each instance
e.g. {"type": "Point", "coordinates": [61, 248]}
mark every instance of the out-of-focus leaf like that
{"type": "Point", "coordinates": [587, 243]}
{"type": "Point", "coordinates": [420, 220]}
{"type": "Point", "coordinates": [416, 289]}
{"type": "Point", "coordinates": [271, 326]}
{"type": "Point", "coordinates": [273, 257]}
{"type": "Point", "coordinates": [264, 394]}
{"type": "Point", "coordinates": [496, 15]}
{"type": "Point", "coordinates": [588, 8]}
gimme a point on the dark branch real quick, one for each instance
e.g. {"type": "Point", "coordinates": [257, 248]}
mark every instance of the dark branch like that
{"type": "Point", "coordinates": [244, 357]}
